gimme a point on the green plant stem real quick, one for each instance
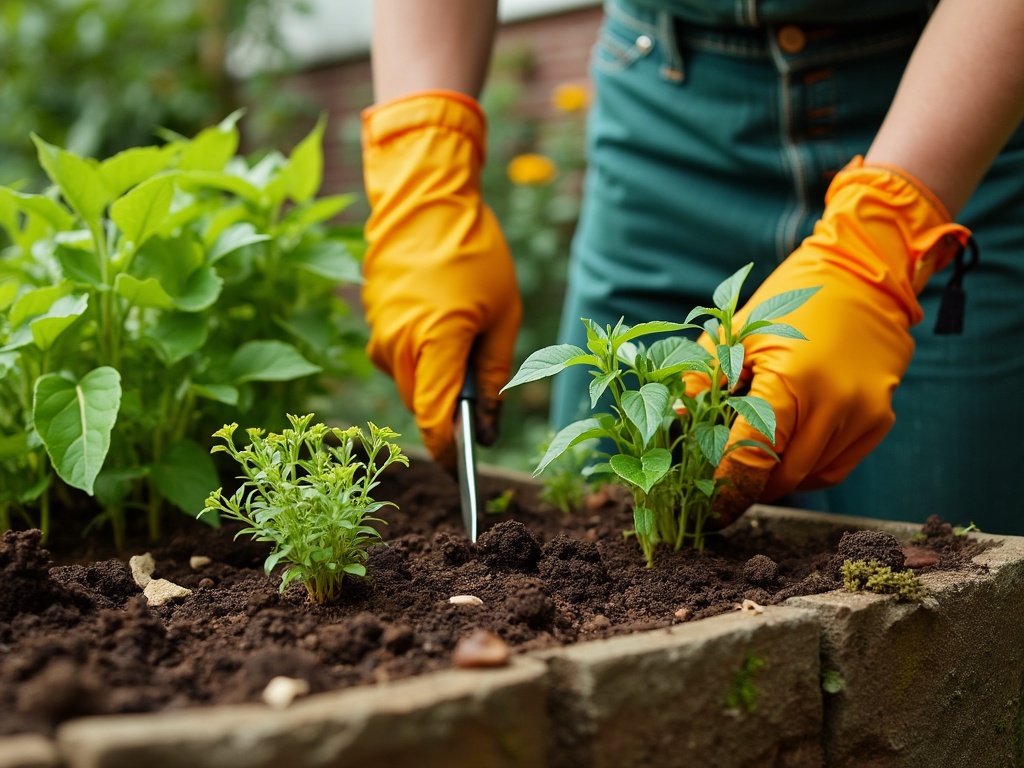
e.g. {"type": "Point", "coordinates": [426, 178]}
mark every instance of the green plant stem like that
{"type": "Point", "coordinates": [44, 516]}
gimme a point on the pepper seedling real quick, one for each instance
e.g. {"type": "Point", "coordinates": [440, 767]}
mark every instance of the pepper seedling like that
{"type": "Point", "coordinates": [665, 445]}
{"type": "Point", "coordinates": [310, 500]}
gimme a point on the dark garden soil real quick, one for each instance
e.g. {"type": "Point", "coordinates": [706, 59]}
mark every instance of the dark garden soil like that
{"type": "Point", "coordinates": [79, 638]}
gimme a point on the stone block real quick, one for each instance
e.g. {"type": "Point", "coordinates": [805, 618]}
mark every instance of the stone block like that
{"type": "Point", "coordinates": [731, 691]}
{"type": "Point", "coordinates": [28, 751]}
{"type": "Point", "coordinates": [449, 719]}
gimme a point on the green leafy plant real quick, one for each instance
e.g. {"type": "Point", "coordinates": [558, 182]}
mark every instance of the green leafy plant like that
{"type": "Point", "coordinates": [145, 295]}
{"type": "Point", "coordinates": [309, 499]}
{"type": "Point", "coordinates": [872, 576]}
{"type": "Point", "coordinates": [743, 692]}
{"type": "Point", "coordinates": [564, 484]}
{"type": "Point", "coordinates": [665, 444]}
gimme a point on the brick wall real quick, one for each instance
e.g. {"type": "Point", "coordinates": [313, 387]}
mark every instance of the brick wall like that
{"type": "Point", "coordinates": [558, 48]}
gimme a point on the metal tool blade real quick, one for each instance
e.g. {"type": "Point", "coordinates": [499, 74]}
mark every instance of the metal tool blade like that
{"type": "Point", "coordinates": [465, 448]}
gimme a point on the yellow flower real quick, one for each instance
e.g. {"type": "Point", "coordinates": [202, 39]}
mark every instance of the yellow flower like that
{"type": "Point", "coordinates": [570, 97]}
{"type": "Point", "coordinates": [531, 169]}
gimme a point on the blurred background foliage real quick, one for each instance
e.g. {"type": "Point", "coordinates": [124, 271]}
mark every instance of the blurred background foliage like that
{"type": "Point", "coordinates": [98, 76]}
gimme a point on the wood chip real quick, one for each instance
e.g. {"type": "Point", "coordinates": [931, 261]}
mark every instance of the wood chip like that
{"type": "Point", "coordinates": [465, 600]}
{"type": "Point", "coordinates": [142, 567]}
{"type": "Point", "coordinates": [160, 591]}
{"type": "Point", "coordinates": [749, 606]}
{"type": "Point", "coordinates": [481, 648]}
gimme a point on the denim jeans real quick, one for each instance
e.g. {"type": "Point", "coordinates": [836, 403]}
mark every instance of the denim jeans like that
{"type": "Point", "coordinates": [710, 148]}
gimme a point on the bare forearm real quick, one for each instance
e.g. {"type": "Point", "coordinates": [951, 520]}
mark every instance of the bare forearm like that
{"type": "Point", "coordinates": [430, 44]}
{"type": "Point", "coordinates": [960, 99]}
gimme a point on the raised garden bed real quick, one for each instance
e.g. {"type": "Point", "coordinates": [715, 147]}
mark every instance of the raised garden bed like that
{"type": "Point", "coordinates": [611, 665]}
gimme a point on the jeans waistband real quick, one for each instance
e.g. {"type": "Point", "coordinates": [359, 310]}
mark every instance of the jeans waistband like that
{"type": "Point", "coordinates": [792, 47]}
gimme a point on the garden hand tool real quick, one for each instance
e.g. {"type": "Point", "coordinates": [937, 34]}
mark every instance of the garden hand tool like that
{"type": "Point", "coordinates": [882, 235]}
{"type": "Point", "coordinates": [465, 449]}
{"type": "Point", "coordinates": [438, 273]}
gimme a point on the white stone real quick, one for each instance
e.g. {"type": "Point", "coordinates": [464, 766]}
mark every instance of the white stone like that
{"type": "Point", "coordinates": [198, 562]}
{"type": "Point", "coordinates": [282, 691]}
{"type": "Point", "coordinates": [465, 600]}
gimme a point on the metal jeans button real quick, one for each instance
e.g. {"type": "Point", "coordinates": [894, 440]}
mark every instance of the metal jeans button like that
{"type": "Point", "coordinates": [791, 39]}
{"type": "Point", "coordinates": [644, 43]}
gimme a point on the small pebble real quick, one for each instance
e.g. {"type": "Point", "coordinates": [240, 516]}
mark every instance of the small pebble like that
{"type": "Point", "coordinates": [206, 583]}
{"type": "Point", "coordinates": [480, 649]}
{"type": "Point", "coordinates": [282, 691]}
{"type": "Point", "coordinates": [160, 591]}
{"type": "Point", "coordinates": [683, 614]}
{"type": "Point", "coordinates": [198, 562]}
{"type": "Point", "coordinates": [465, 600]}
{"type": "Point", "coordinates": [919, 557]}
{"type": "Point", "coordinates": [142, 567]}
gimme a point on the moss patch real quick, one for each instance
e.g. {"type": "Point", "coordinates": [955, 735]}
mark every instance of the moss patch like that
{"type": "Point", "coordinates": [872, 576]}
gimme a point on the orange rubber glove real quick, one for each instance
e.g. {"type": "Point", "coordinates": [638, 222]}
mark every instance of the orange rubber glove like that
{"type": "Point", "coordinates": [881, 237]}
{"type": "Point", "coordinates": [438, 274]}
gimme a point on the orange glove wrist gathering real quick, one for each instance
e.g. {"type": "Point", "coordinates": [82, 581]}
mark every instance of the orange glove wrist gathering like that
{"type": "Point", "coordinates": [882, 235]}
{"type": "Point", "coordinates": [438, 274]}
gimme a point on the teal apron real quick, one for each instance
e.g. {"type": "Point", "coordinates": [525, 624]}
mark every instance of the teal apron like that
{"type": "Point", "coordinates": [710, 147]}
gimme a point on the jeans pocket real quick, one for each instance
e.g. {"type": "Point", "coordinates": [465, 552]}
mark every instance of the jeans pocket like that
{"type": "Point", "coordinates": [623, 40]}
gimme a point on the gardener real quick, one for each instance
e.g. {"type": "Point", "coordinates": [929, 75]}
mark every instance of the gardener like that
{"type": "Point", "coordinates": [723, 132]}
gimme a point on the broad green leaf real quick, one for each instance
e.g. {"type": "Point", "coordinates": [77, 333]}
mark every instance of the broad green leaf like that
{"type": "Point", "coordinates": [133, 166]}
{"type": "Point", "coordinates": [646, 408]}
{"type": "Point", "coordinates": [549, 361]}
{"type": "Point", "coordinates": [74, 421]}
{"type": "Point", "coordinates": [783, 304]}
{"type": "Point", "coordinates": [200, 291]}
{"type": "Point", "coordinates": [312, 327]}
{"type": "Point", "coordinates": [355, 569]}
{"type": "Point", "coordinates": [731, 360]}
{"type": "Point", "coordinates": [185, 475]}
{"type": "Point", "coordinates": [712, 327]}
{"type": "Point", "coordinates": [301, 217]}
{"type": "Point", "coordinates": [597, 337]}
{"type": "Point", "coordinates": [644, 472]}
{"type": "Point", "coordinates": [113, 486]}
{"type": "Point", "coordinates": [223, 181]}
{"type": "Point", "coordinates": [268, 361]}
{"type": "Point", "coordinates": [772, 329]}
{"type": "Point", "coordinates": [13, 446]}
{"type": "Point", "coordinates": [36, 302]}
{"type": "Point", "coordinates": [666, 353]}
{"type": "Point", "coordinates": [757, 412]}
{"type": "Point", "coordinates": [213, 147]}
{"type": "Point", "coordinates": [61, 315]}
{"type": "Point", "coordinates": [176, 335]}
{"type": "Point", "coordinates": [220, 393]}
{"type": "Point", "coordinates": [7, 362]}
{"type": "Point", "coordinates": [599, 385]}
{"type": "Point", "coordinates": [707, 487]}
{"type": "Point", "coordinates": [234, 237]}
{"type": "Point", "coordinates": [627, 352]}
{"type": "Point", "coordinates": [143, 293]}
{"type": "Point", "coordinates": [327, 258]}
{"type": "Point", "coordinates": [655, 326]}
{"type": "Point", "coordinates": [79, 264]}
{"type": "Point", "coordinates": [79, 180]}
{"type": "Point", "coordinates": [306, 166]}
{"type": "Point", "coordinates": [712, 440]}
{"type": "Point", "coordinates": [643, 521]}
{"type": "Point", "coordinates": [140, 213]}
{"type": "Point", "coordinates": [8, 293]}
{"type": "Point", "coordinates": [50, 211]}
{"type": "Point", "coordinates": [569, 436]}
{"type": "Point", "coordinates": [727, 294]}
{"type": "Point", "coordinates": [696, 312]}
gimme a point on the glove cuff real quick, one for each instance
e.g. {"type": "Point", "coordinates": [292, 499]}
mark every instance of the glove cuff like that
{"type": "Point", "coordinates": [437, 109]}
{"type": "Point", "coordinates": [929, 237]}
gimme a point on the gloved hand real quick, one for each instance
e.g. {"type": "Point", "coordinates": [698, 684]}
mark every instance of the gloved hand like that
{"type": "Point", "coordinates": [881, 237]}
{"type": "Point", "coordinates": [438, 273]}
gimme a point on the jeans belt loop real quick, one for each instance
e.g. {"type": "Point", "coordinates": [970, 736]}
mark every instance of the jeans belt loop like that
{"type": "Point", "coordinates": [672, 68]}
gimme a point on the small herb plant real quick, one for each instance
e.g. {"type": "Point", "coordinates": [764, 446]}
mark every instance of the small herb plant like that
{"type": "Point", "coordinates": [666, 445]}
{"type": "Point", "coordinates": [310, 499]}
{"type": "Point", "coordinates": [142, 296]}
